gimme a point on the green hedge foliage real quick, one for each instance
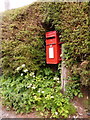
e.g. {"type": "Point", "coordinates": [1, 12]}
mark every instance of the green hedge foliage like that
{"type": "Point", "coordinates": [23, 38]}
{"type": "Point", "coordinates": [77, 40]}
{"type": "Point", "coordinates": [72, 21]}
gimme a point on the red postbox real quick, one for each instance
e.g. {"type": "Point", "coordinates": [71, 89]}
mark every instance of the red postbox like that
{"type": "Point", "coordinates": [53, 48]}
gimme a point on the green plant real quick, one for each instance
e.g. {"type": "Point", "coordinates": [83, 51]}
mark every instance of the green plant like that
{"type": "Point", "coordinates": [27, 91]}
{"type": "Point", "coordinates": [73, 89]}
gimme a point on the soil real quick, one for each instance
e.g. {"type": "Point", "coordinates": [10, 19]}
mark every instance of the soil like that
{"type": "Point", "coordinates": [11, 114]}
{"type": "Point", "coordinates": [80, 104]}
{"type": "Point", "coordinates": [81, 110]}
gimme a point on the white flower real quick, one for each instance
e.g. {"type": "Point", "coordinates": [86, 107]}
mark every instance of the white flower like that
{"type": "Point", "coordinates": [21, 74]}
{"type": "Point", "coordinates": [23, 65]}
{"type": "Point", "coordinates": [56, 113]}
{"type": "Point", "coordinates": [32, 74]}
{"type": "Point", "coordinates": [39, 91]}
{"type": "Point", "coordinates": [29, 86]}
{"type": "Point", "coordinates": [52, 96]}
{"type": "Point", "coordinates": [33, 87]}
{"type": "Point", "coordinates": [18, 68]}
{"type": "Point", "coordinates": [58, 81]}
{"type": "Point", "coordinates": [25, 70]}
{"type": "Point", "coordinates": [42, 91]}
{"type": "Point", "coordinates": [56, 78]}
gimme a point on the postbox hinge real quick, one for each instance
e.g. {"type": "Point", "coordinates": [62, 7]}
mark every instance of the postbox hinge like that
{"type": "Point", "coordinates": [60, 43]}
{"type": "Point", "coordinates": [60, 59]}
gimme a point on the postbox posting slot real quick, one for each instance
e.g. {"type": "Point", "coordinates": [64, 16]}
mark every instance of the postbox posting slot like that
{"type": "Point", "coordinates": [51, 44]}
{"type": "Point", "coordinates": [50, 37]}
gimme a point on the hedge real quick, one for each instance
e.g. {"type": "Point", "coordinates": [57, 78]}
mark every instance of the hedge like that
{"type": "Point", "coordinates": [23, 36]}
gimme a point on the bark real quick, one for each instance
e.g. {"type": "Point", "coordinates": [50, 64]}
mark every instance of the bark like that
{"type": "Point", "coordinates": [63, 72]}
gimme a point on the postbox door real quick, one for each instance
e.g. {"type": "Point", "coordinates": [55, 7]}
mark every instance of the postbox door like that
{"type": "Point", "coordinates": [51, 54]}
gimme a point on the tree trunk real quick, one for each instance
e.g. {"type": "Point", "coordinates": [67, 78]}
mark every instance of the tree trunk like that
{"type": "Point", "coordinates": [63, 72]}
